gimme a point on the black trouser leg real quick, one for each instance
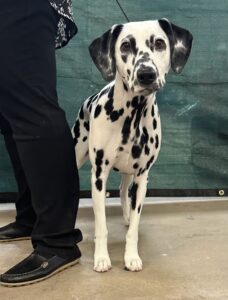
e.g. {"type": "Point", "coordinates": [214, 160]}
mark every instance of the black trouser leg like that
{"type": "Point", "coordinates": [25, 215]}
{"type": "Point", "coordinates": [28, 101]}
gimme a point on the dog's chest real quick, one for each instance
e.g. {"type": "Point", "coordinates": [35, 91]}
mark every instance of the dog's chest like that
{"type": "Point", "coordinates": [133, 137]}
{"type": "Point", "coordinates": [139, 147]}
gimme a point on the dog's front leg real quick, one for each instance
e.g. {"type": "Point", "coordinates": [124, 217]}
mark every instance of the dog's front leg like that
{"type": "Point", "coordinates": [102, 262]}
{"type": "Point", "coordinates": [124, 196]}
{"type": "Point", "coordinates": [138, 192]}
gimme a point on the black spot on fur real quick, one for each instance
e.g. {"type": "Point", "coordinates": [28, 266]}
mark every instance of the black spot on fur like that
{"type": "Point", "coordinates": [125, 87]}
{"type": "Point", "coordinates": [128, 72]}
{"type": "Point", "coordinates": [152, 140]}
{"type": "Point", "coordinates": [84, 139]}
{"type": "Point", "coordinates": [137, 132]}
{"type": "Point", "coordinates": [142, 170]}
{"type": "Point", "coordinates": [111, 92]}
{"type": "Point", "coordinates": [136, 151]}
{"type": "Point", "coordinates": [89, 102]}
{"type": "Point", "coordinates": [76, 131]}
{"type": "Point", "coordinates": [99, 157]}
{"type": "Point", "coordinates": [154, 123]}
{"type": "Point", "coordinates": [97, 110]}
{"type": "Point", "coordinates": [91, 99]}
{"type": "Point", "coordinates": [98, 162]}
{"type": "Point", "coordinates": [139, 172]}
{"type": "Point", "coordinates": [98, 171]}
{"type": "Point", "coordinates": [106, 162]}
{"type": "Point", "coordinates": [152, 111]}
{"type": "Point", "coordinates": [129, 193]}
{"type": "Point", "coordinates": [134, 195]}
{"type": "Point", "coordinates": [121, 148]}
{"type": "Point", "coordinates": [115, 169]}
{"type": "Point", "coordinates": [149, 162]}
{"type": "Point", "coordinates": [86, 125]}
{"type": "Point", "coordinates": [98, 184]}
{"type": "Point", "coordinates": [133, 45]}
{"type": "Point", "coordinates": [128, 104]}
{"type": "Point", "coordinates": [152, 43]}
{"type": "Point", "coordinates": [135, 166]}
{"type": "Point", "coordinates": [146, 135]}
{"type": "Point", "coordinates": [135, 82]}
{"type": "Point", "coordinates": [139, 208]}
{"type": "Point", "coordinates": [147, 150]}
{"type": "Point", "coordinates": [140, 107]}
{"type": "Point", "coordinates": [146, 55]}
{"type": "Point", "coordinates": [145, 112]}
{"type": "Point", "coordinates": [105, 91]}
{"type": "Point", "coordinates": [109, 107]}
{"type": "Point", "coordinates": [126, 130]}
{"type": "Point", "coordinates": [156, 141]}
{"type": "Point", "coordinates": [124, 58]}
{"type": "Point", "coordinates": [114, 114]}
{"type": "Point", "coordinates": [141, 61]}
{"type": "Point", "coordinates": [81, 113]}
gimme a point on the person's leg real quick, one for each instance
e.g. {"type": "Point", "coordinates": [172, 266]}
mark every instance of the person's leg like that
{"type": "Point", "coordinates": [25, 215]}
{"type": "Point", "coordinates": [28, 101]}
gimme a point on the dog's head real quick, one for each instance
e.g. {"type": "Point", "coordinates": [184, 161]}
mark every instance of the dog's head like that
{"type": "Point", "coordinates": [142, 53]}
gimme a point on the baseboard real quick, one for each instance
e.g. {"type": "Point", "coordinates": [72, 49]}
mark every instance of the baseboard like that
{"type": "Point", "coordinates": [11, 197]}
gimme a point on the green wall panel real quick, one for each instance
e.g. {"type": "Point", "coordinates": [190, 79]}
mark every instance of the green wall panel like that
{"type": "Point", "coordinates": [193, 105]}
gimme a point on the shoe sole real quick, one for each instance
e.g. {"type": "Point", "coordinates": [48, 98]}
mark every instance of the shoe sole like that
{"type": "Point", "coordinates": [15, 239]}
{"type": "Point", "coordinates": [43, 278]}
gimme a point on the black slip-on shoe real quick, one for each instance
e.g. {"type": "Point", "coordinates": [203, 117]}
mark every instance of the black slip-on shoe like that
{"type": "Point", "coordinates": [12, 232]}
{"type": "Point", "coordinates": [35, 268]}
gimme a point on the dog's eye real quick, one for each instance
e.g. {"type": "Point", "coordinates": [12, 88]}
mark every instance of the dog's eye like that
{"type": "Point", "coordinates": [125, 47]}
{"type": "Point", "coordinates": [160, 44]}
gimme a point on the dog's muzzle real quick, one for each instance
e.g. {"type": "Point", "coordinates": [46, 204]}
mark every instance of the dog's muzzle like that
{"type": "Point", "coordinates": [146, 76]}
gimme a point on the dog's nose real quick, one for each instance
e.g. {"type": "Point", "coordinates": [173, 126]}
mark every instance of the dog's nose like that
{"type": "Point", "coordinates": [146, 76]}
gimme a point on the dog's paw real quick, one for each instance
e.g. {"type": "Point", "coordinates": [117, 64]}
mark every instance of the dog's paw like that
{"type": "Point", "coordinates": [102, 264]}
{"type": "Point", "coordinates": [133, 263]}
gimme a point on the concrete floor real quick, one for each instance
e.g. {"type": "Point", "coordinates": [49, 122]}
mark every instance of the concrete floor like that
{"type": "Point", "coordinates": [184, 248]}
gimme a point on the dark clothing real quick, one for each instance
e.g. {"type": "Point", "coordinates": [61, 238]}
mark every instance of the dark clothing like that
{"type": "Point", "coordinates": [37, 136]}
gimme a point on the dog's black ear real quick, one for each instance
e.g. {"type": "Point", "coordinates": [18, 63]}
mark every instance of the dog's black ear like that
{"type": "Point", "coordinates": [102, 51]}
{"type": "Point", "coordinates": [180, 41]}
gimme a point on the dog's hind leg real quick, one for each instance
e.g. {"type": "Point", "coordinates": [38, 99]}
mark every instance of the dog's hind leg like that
{"type": "Point", "coordinates": [124, 196]}
{"type": "Point", "coordinates": [80, 132]}
{"type": "Point", "coordinates": [82, 153]}
{"type": "Point", "coordinates": [138, 192]}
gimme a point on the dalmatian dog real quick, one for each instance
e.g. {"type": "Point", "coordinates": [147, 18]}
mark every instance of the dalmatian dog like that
{"type": "Point", "coordinates": [119, 127]}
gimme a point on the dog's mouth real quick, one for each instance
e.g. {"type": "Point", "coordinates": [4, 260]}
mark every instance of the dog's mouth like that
{"type": "Point", "coordinates": [148, 89]}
